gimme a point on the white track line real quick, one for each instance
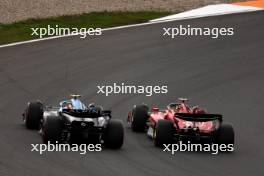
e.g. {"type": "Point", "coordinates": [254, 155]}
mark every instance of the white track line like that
{"type": "Point", "coordinates": [206, 11]}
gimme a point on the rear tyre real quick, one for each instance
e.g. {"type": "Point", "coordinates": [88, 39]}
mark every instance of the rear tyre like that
{"type": "Point", "coordinates": [163, 133]}
{"type": "Point", "coordinates": [140, 116]}
{"type": "Point", "coordinates": [225, 134]}
{"type": "Point", "coordinates": [51, 129]}
{"type": "Point", "coordinates": [114, 135]}
{"type": "Point", "coordinates": [33, 115]}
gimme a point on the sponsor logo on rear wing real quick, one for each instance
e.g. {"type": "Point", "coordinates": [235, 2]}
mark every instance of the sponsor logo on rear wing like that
{"type": "Point", "coordinates": [198, 117]}
{"type": "Point", "coordinates": [87, 113]}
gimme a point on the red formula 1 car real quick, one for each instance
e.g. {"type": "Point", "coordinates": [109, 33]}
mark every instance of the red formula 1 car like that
{"type": "Point", "coordinates": [180, 122]}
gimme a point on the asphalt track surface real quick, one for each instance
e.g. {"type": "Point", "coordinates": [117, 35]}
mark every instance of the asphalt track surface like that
{"type": "Point", "coordinates": [223, 75]}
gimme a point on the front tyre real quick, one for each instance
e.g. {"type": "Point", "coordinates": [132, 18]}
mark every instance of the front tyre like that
{"type": "Point", "coordinates": [114, 135]}
{"type": "Point", "coordinates": [33, 115]}
{"type": "Point", "coordinates": [139, 118]}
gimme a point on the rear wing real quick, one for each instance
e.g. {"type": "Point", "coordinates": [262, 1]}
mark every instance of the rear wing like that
{"type": "Point", "coordinates": [107, 113]}
{"type": "Point", "coordinates": [198, 117]}
{"type": "Point", "coordinates": [52, 107]}
{"type": "Point", "coordinates": [87, 114]}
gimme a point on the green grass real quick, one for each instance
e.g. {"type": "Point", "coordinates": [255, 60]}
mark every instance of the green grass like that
{"type": "Point", "coordinates": [21, 31]}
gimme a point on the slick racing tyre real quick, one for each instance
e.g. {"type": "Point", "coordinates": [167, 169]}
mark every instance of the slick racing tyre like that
{"type": "Point", "coordinates": [225, 134]}
{"type": "Point", "coordinates": [33, 115]}
{"type": "Point", "coordinates": [51, 129]}
{"type": "Point", "coordinates": [163, 133]}
{"type": "Point", "coordinates": [114, 135]}
{"type": "Point", "coordinates": [139, 118]}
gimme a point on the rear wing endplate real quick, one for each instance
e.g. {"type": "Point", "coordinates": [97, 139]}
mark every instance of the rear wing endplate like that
{"type": "Point", "coordinates": [198, 117]}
